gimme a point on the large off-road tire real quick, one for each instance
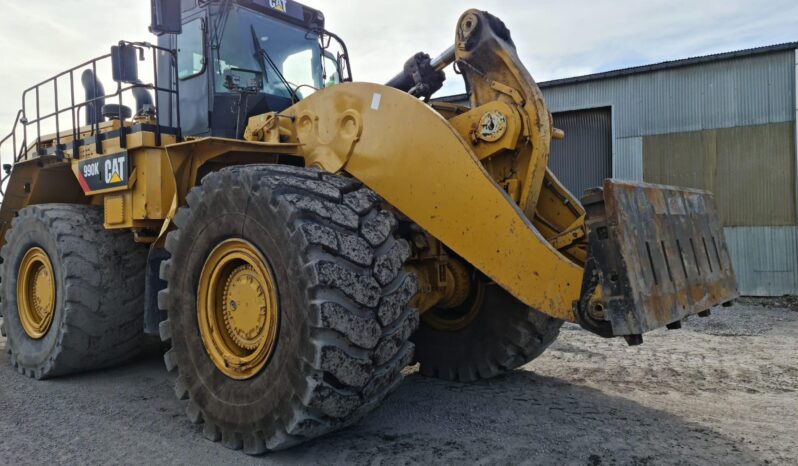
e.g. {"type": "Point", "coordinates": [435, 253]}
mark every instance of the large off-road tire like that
{"type": "Point", "coordinates": [326, 249]}
{"type": "Point", "coordinates": [491, 334]}
{"type": "Point", "coordinates": [91, 292]}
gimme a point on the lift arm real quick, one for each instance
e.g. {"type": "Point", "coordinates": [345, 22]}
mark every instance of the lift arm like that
{"type": "Point", "coordinates": [476, 179]}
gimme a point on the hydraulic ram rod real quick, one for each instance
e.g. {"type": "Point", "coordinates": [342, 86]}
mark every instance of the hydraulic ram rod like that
{"type": "Point", "coordinates": [443, 60]}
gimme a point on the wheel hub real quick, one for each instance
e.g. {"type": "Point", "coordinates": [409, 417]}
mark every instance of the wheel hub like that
{"type": "Point", "coordinates": [458, 285]}
{"type": "Point", "coordinates": [237, 309]}
{"type": "Point", "coordinates": [36, 293]}
{"type": "Point", "coordinates": [244, 306]}
{"type": "Point", "coordinates": [461, 303]}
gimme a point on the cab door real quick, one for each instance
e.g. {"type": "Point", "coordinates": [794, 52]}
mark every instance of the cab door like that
{"type": "Point", "coordinates": [192, 66]}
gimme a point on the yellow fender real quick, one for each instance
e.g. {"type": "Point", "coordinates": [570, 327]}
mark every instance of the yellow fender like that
{"type": "Point", "coordinates": [37, 181]}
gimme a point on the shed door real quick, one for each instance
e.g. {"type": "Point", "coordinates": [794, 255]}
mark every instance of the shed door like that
{"type": "Point", "coordinates": [584, 158]}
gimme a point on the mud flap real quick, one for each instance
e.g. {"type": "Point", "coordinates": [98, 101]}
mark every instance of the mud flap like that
{"type": "Point", "coordinates": [656, 254]}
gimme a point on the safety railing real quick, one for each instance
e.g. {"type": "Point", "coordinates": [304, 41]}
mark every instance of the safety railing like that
{"type": "Point", "coordinates": [91, 103]}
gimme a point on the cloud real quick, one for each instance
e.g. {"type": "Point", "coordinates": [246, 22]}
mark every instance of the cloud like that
{"type": "Point", "coordinates": [554, 39]}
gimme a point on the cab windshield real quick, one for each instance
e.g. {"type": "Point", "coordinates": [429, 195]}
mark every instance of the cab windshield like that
{"type": "Point", "coordinates": [296, 52]}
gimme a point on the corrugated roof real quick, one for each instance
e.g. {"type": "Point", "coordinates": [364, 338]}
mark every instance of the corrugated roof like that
{"type": "Point", "coordinates": [653, 67]}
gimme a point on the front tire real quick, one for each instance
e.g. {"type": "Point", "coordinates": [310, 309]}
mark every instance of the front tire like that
{"type": "Point", "coordinates": [342, 321]}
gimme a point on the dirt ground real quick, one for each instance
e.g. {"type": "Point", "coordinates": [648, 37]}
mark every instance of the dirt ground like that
{"type": "Point", "coordinates": [722, 390]}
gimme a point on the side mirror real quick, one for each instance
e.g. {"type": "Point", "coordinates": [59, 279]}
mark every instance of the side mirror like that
{"type": "Point", "coordinates": [166, 17]}
{"type": "Point", "coordinates": [125, 64]}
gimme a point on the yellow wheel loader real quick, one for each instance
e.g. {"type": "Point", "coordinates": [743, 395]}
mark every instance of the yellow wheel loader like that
{"type": "Point", "coordinates": [298, 238]}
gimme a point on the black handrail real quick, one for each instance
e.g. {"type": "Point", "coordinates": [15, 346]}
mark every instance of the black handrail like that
{"type": "Point", "coordinates": [13, 136]}
{"type": "Point", "coordinates": [75, 108]}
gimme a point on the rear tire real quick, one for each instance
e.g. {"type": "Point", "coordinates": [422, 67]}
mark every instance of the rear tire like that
{"type": "Point", "coordinates": [98, 278]}
{"type": "Point", "coordinates": [343, 315]}
{"type": "Point", "coordinates": [503, 335]}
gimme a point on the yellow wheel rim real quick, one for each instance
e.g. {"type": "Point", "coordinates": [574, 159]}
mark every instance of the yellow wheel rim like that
{"type": "Point", "coordinates": [237, 309]}
{"type": "Point", "coordinates": [36, 293]}
{"type": "Point", "coordinates": [460, 317]}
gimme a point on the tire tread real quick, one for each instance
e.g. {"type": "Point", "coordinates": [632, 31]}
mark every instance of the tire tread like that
{"type": "Point", "coordinates": [360, 316]}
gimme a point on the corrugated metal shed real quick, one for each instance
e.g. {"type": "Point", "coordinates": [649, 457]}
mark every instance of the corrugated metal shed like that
{"type": "Point", "coordinates": [765, 260]}
{"type": "Point", "coordinates": [741, 88]}
{"type": "Point", "coordinates": [750, 169]}
{"type": "Point", "coordinates": [742, 91]}
{"type": "Point", "coordinates": [584, 158]}
{"type": "Point", "coordinates": [724, 122]}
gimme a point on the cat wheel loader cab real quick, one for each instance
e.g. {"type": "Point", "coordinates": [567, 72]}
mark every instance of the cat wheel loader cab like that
{"type": "Point", "coordinates": [298, 238]}
{"type": "Point", "coordinates": [244, 58]}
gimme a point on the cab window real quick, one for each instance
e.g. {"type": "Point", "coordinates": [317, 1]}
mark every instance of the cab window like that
{"type": "Point", "coordinates": [298, 71]}
{"type": "Point", "coordinates": [190, 50]}
{"type": "Point", "coordinates": [294, 51]}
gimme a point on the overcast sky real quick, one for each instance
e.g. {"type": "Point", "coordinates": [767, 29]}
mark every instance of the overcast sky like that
{"type": "Point", "coordinates": [39, 38]}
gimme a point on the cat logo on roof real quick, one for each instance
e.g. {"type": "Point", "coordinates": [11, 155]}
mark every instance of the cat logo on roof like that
{"type": "Point", "coordinates": [279, 5]}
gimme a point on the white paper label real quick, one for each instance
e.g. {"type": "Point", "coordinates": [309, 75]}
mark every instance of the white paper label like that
{"type": "Point", "coordinates": [375, 101]}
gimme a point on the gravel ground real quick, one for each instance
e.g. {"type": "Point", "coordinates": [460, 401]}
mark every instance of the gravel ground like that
{"type": "Point", "coordinates": [722, 390]}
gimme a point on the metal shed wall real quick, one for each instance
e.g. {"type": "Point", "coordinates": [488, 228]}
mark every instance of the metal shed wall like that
{"type": "Point", "coordinates": [731, 127]}
{"type": "Point", "coordinates": [584, 158]}
{"type": "Point", "coordinates": [750, 169]}
{"type": "Point", "coordinates": [744, 91]}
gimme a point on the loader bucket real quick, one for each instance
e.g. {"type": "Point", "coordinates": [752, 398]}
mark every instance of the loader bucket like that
{"type": "Point", "coordinates": [656, 254]}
